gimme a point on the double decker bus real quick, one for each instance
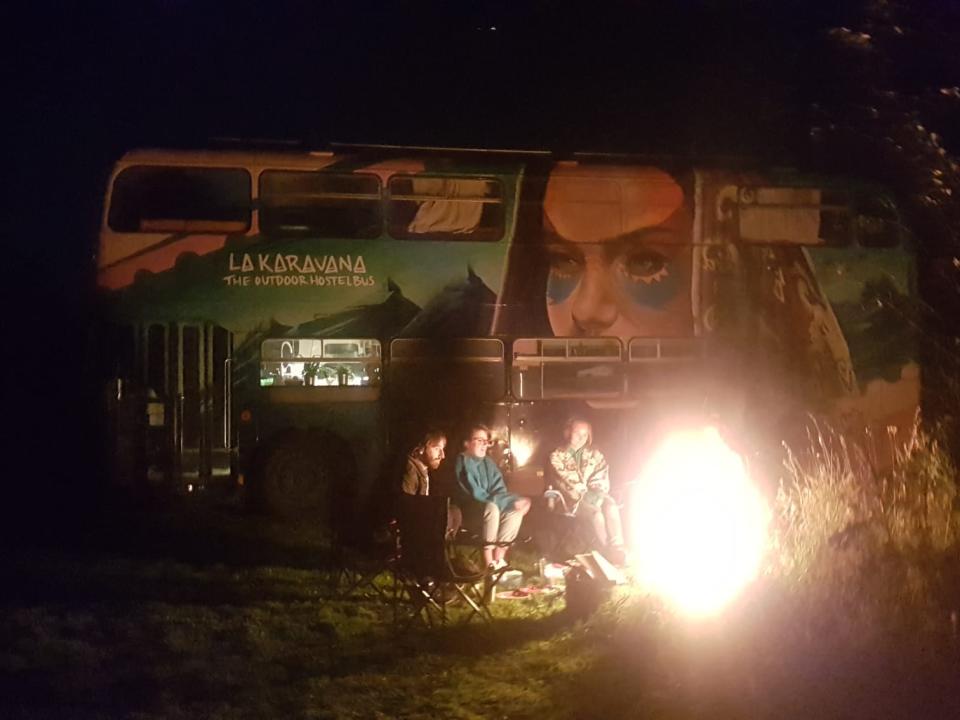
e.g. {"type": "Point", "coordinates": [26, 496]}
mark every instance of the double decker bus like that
{"type": "Point", "coordinates": [292, 321]}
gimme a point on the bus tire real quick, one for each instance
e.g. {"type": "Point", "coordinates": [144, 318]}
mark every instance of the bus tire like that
{"type": "Point", "coordinates": [298, 476]}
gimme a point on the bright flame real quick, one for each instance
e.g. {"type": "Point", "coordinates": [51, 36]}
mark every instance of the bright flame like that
{"type": "Point", "coordinates": [699, 524]}
{"type": "Point", "coordinates": [522, 447]}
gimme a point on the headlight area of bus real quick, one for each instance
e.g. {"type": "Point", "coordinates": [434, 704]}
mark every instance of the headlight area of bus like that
{"type": "Point", "coordinates": [699, 525]}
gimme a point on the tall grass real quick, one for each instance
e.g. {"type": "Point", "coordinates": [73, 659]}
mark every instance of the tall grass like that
{"type": "Point", "coordinates": [871, 539]}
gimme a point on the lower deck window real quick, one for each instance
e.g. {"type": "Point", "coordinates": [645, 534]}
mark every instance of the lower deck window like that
{"type": "Point", "coordinates": [320, 363]}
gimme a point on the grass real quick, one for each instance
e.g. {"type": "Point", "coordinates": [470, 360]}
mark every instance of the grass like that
{"type": "Point", "coordinates": [203, 612]}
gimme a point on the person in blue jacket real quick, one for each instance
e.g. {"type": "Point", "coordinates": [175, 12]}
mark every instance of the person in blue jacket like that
{"type": "Point", "coordinates": [483, 491]}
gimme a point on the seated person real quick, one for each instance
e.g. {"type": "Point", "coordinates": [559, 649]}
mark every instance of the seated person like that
{"type": "Point", "coordinates": [422, 459]}
{"type": "Point", "coordinates": [483, 491]}
{"type": "Point", "coordinates": [584, 480]}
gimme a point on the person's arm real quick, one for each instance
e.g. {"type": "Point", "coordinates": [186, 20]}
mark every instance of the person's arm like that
{"type": "Point", "coordinates": [498, 492]}
{"type": "Point", "coordinates": [570, 482]}
{"type": "Point", "coordinates": [469, 481]}
{"type": "Point", "coordinates": [498, 485]}
{"type": "Point", "coordinates": [599, 476]}
{"type": "Point", "coordinates": [411, 478]}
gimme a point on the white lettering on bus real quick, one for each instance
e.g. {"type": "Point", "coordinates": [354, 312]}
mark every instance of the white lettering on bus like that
{"type": "Point", "coordinates": [292, 270]}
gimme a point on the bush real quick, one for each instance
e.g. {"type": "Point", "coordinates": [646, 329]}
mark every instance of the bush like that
{"type": "Point", "coordinates": [865, 540]}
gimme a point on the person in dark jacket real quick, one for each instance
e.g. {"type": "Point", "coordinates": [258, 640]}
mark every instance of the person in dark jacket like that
{"type": "Point", "coordinates": [425, 457]}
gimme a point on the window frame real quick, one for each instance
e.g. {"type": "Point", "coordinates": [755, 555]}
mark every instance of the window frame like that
{"type": "Point", "coordinates": [216, 227]}
{"type": "Point", "coordinates": [481, 235]}
{"type": "Point", "coordinates": [313, 231]}
{"type": "Point", "coordinates": [322, 359]}
{"type": "Point", "coordinates": [541, 360]}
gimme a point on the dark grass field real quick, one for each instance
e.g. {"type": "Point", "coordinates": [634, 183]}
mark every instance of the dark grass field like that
{"type": "Point", "coordinates": [206, 612]}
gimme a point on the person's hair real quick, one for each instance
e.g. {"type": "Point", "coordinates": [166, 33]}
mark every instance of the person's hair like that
{"type": "Point", "coordinates": [568, 429]}
{"type": "Point", "coordinates": [430, 437]}
{"type": "Point", "coordinates": [474, 428]}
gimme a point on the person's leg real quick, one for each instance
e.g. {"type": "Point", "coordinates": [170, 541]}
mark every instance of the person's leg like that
{"type": "Point", "coordinates": [510, 522]}
{"type": "Point", "coordinates": [593, 521]}
{"type": "Point", "coordinates": [614, 527]}
{"type": "Point", "coordinates": [491, 525]}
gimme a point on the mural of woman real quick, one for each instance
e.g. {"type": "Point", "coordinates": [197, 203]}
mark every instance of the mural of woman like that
{"type": "Point", "coordinates": [608, 250]}
{"type": "Point", "coordinates": [608, 255]}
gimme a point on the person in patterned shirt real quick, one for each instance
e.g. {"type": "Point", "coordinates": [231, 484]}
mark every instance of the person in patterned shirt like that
{"type": "Point", "coordinates": [583, 477]}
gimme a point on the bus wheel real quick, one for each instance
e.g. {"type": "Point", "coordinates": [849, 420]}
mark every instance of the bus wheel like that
{"type": "Point", "coordinates": [299, 474]}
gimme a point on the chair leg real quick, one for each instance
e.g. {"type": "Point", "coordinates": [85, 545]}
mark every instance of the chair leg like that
{"type": "Point", "coordinates": [477, 608]}
{"type": "Point", "coordinates": [423, 601]}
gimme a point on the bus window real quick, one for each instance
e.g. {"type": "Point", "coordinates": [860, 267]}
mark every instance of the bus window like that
{"type": "Point", "coordinates": [658, 365]}
{"type": "Point", "coordinates": [320, 204]}
{"type": "Point", "coordinates": [567, 368]}
{"type": "Point", "coordinates": [460, 370]}
{"type": "Point", "coordinates": [794, 216]}
{"type": "Point", "coordinates": [320, 362]}
{"type": "Point", "coordinates": [156, 371]}
{"type": "Point", "coordinates": [445, 208]}
{"type": "Point", "coordinates": [878, 225]}
{"type": "Point", "coordinates": [160, 199]}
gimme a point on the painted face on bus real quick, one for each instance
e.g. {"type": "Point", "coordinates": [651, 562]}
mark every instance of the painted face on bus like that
{"type": "Point", "coordinates": [618, 246]}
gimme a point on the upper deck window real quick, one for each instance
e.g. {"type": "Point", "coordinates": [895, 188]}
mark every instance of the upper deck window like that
{"type": "Point", "coordinates": [878, 224]}
{"type": "Point", "coordinates": [157, 199]}
{"type": "Point", "coordinates": [794, 216]}
{"type": "Point", "coordinates": [445, 208]}
{"type": "Point", "coordinates": [320, 204]}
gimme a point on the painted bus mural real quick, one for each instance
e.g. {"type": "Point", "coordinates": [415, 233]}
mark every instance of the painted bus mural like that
{"type": "Point", "coordinates": [291, 322]}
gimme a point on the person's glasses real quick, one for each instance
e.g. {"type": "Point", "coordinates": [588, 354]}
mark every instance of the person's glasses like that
{"type": "Point", "coordinates": [483, 440]}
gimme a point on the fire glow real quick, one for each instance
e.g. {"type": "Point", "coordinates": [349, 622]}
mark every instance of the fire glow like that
{"type": "Point", "coordinates": [699, 524]}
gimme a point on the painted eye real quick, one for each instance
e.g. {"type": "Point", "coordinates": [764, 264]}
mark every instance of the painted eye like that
{"type": "Point", "coordinates": [646, 266]}
{"type": "Point", "coordinates": [565, 266]}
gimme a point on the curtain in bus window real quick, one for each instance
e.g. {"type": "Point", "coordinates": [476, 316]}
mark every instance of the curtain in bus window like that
{"type": "Point", "coordinates": [448, 216]}
{"type": "Point", "coordinates": [787, 215]}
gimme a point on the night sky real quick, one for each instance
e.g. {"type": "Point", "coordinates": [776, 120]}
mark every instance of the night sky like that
{"type": "Point", "coordinates": [696, 79]}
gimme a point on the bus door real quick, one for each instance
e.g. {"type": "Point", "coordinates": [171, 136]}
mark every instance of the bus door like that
{"type": "Point", "coordinates": [188, 373]}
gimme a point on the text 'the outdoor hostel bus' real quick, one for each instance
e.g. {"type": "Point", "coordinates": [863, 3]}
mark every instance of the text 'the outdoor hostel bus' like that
{"type": "Point", "coordinates": [290, 322]}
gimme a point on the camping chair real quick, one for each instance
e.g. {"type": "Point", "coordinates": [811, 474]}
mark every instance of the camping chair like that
{"type": "Point", "coordinates": [468, 545]}
{"type": "Point", "coordinates": [358, 565]}
{"type": "Point", "coordinates": [423, 571]}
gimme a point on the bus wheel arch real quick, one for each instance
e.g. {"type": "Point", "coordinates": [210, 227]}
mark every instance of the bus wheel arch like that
{"type": "Point", "coordinates": [303, 473]}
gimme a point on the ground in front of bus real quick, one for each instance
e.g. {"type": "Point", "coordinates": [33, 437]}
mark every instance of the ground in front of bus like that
{"type": "Point", "coordinates": [208, 613]}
